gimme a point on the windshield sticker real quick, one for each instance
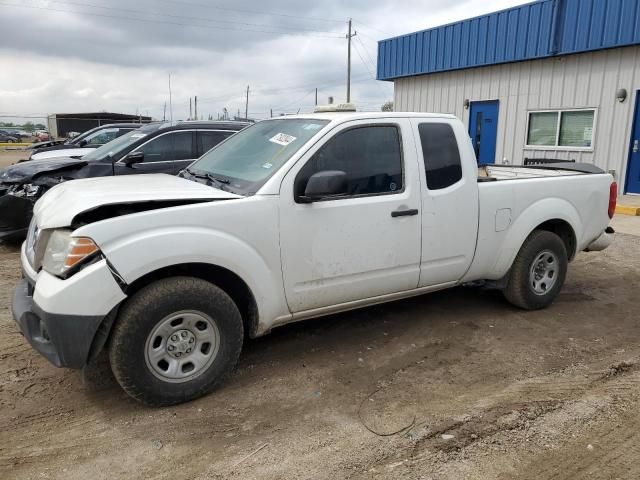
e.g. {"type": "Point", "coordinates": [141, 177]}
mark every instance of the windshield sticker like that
{"type": "Point", "coordinates": [311, 126]}
{"type": "Point", "coordinates": [267, 165]}
{"type": "Point", "coordinates": [138, 135]}
{"type": "Point", "coordinates": [282, 139]}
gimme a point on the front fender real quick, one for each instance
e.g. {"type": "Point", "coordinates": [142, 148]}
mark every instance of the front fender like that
{"type": "Point", "coordinates": [240, 236]}
{"type": "Point", "coordinates": [151, 250]}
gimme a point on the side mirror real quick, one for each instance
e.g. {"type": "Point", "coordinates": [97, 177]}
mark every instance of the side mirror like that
{"type": "Point", "coordinates": [133, 158]}
{"type": "Point", "coordinates": [82, 143]}
{"type": "Point", "coordinates": [323, 185]}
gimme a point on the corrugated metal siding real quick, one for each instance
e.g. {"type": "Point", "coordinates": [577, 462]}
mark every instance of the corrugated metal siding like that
{"type": "Point", "coordinates": [595, 24]}
{"type": "Point", "coordinates": [535, 30]}
{"type": "Point", "coordinates": [585, 80]}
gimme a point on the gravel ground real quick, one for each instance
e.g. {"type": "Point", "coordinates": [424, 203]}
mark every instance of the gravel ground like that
{"type": "Point", "coordinates": [452, 385]}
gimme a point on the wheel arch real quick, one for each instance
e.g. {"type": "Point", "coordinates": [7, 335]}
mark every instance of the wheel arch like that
{"type": "Point", "coordinates": [565, 231]}
{"type": "Point", "coordinates": [231, 283]}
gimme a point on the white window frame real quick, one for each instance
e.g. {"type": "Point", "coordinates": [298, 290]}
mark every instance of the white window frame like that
{"type": "Point", "coordinates": [560, 111]}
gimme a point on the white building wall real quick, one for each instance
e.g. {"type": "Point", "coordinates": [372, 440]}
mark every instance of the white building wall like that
{"type": "Point", "coordinates": [585, 80]}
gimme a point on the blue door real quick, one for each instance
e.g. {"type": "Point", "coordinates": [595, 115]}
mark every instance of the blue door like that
{"type": "Point", "coordinates": [483, 130]}
{"type": "Point", "coordinates": [633, 173]}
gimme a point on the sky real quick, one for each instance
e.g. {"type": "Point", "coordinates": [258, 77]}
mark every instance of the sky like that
{"type": "Point", "coordinates": [72, 56]}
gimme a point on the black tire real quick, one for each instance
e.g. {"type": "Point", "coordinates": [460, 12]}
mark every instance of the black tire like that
{"type": "Point", "coordinates": [147, 309]}
{"type": "Point", "coordinates": [520, 290]}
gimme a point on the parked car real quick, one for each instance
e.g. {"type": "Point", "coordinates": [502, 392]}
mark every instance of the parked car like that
{"type": "Point", "coordinates": [17, 133]}
{"type": "Point", "coordinates": [289, 219]}
{"type": "Point", "coordinates": [159, 147]}
{"type": "Point", "coordinates": [6, 137]}
{"type": "Point", "coordinates": [83, 143]}
{"type": "Point", "coordinates": [42, 136]}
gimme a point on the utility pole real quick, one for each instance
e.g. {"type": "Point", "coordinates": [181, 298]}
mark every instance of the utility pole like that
{"type": "Point", "coordinates": [246, 105]}
{"type": "Point", "coordinates": [349, 37]}
{"type": "Point", "coordinates": [195, 106]}
{"type": "Point", "coordinates": [170, 102]}
{"type": "Point", "coordinates": [271, 112]}
{"type": "Point", "coordinates": [316, 96]}
{"type": "Point", "coordinates": [190, 111]}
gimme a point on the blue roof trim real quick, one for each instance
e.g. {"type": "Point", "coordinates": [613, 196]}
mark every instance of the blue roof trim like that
{"type": "Point", "coordinates": [535, 30]}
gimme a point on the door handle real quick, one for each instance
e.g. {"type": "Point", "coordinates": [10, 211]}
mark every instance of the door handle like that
{"type": "Point", "coordinates": [404, 213]}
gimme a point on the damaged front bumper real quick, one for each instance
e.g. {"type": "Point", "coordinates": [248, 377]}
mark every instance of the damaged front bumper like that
{"type": "Point", "coordinates": [15, 215]}
{"type": "Point", "coordinates": [60, 318]}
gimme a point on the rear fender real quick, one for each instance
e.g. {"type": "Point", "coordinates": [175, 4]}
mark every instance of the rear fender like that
{"type": "Point", "coordinates": [532, 217]}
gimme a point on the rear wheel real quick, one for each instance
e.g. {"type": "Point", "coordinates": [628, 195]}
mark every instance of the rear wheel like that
{"type": "Point", "coordinates": [538, 272]}
{"type": "Point", "coordinates": [175, 340]}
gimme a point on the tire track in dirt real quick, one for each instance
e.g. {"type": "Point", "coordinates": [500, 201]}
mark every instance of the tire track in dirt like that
{"type": "Point", "coordinates": [523, 415]}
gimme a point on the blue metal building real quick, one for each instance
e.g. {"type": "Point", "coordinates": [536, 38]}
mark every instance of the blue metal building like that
{"type": "Point", "coordinates": [548, 79]}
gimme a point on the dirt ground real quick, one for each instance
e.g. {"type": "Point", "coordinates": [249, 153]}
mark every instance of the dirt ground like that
{"type": "Point", "coordinates": [8, 157]}
{"type": "Point", "coordinates": [473, 388]}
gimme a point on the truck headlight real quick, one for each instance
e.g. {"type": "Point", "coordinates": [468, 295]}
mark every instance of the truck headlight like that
{"type": "Point", "coordinates": [65, 252]}
{"type": "Point", "coordinates": [25, 191]}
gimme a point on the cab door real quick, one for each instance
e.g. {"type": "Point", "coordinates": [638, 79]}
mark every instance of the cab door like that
{"type": "Point", "coordinates": [366, 242]}
{"type": "Point", "coordinates": [449, 201]}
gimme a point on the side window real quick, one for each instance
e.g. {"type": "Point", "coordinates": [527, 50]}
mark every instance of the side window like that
{"type": "Point", "coordinates": [105, 136]}
{"type": "Point", "coordinates": [209, 139]}
{"type": "Point", "coordinates": [441, 155]}
{"type": "Point", "coordinates": [370, 156]}
{"type": "Point", "coordinates": [171, 146]}
{"type": "Point", "coordinates": [122, 131]}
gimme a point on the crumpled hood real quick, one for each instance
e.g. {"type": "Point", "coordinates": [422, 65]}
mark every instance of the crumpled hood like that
{"type": "Point", "coordinates": [67, 151]}
{"type": "Point", "coordinates": [25, 172]}
{"type": "Point", "coordinates": [60, 205]}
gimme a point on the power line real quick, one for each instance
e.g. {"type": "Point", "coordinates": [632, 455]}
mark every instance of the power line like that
{"type": "Point", "coordinates": [372, 28]}
{"type": "Point", "coordinates": [367, 67]}
{"type": "Point", "coordinates": [185, 17]}
{"type": "Point", "coordinates": [165, 22]}
{"type": "Point", "coordinates": [275, 91]}
{"type": "Point", "coordinates": [283, 107]}
{"type": "Point", "coordinates": [253, 12]}
{"type": "Point", "coordinates": [362, 60]}
{"type": "Point", "coordinates": [364, 47]}
{"type": "Point", "coordinates": [369, 37]}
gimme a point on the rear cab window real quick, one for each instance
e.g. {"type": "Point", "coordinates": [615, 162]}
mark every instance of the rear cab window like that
{"type": "Point", "coordinates": [441, 155]}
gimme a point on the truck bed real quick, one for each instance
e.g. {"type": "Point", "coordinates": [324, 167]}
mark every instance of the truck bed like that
{"type": "Point", "coordinates": [504, 172]}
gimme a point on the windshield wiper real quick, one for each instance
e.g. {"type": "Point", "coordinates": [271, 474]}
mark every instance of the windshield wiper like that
{"type": "Point", "coordinates": [210, 177]}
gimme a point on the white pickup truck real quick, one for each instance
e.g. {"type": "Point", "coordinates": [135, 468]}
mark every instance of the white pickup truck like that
{"type": "Point", "coordinates": [290, 219]}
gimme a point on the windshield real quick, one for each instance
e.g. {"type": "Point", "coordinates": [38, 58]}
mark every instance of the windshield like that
{"type": "Point", "coordinates": [77, 138]}
{"type": "Point", "coordinates": [121, 143]}
{"type": "Point", "coordinates": [247, 159]}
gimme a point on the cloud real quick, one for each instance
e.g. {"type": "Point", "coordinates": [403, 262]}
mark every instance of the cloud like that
{"type": "Point", "coordinates": [116, 55]}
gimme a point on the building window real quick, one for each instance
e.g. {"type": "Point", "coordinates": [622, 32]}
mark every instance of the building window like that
{"type": "Point", "coordinates": [564, 129]}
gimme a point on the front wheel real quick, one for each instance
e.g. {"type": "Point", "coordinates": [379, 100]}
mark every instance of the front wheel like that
{"type": "Point", "coordinates": [175, 340]}
{"type": "Point", "coordinates": [538, 272]}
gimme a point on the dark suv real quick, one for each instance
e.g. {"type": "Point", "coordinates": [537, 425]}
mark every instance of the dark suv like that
{"type": "Point", "coordinates": [153, 148]}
